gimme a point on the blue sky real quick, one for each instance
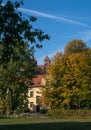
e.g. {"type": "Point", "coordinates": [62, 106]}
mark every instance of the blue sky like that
{"type": "Point", "coordinates": [63, 20]}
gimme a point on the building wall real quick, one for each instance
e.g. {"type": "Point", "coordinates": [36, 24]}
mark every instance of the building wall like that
{"type": "Point", "coordinates": [34, 99]}
{"type": "Point", "coordinates": [34, 93]}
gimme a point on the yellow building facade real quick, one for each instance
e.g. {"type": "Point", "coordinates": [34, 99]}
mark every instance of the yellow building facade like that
{"type": "Point", "coordinates": [35, 101]}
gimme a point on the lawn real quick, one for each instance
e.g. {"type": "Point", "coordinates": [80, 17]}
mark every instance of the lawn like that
{"type": "Point", "coordinates": [28, 123]}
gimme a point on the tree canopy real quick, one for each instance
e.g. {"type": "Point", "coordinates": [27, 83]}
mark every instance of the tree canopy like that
{"type": "Point", "coordinates": [68, 81]}
{"type": "Point", "coordinates": [75, 46]}
{"type": "Point", "coordinates": [18, 42]}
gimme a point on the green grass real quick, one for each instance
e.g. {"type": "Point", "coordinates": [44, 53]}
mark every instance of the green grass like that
{"type": "Point", "coordinates": [44, 124]}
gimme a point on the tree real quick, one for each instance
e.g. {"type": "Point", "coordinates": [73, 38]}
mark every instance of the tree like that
{"type": "Point", "coordinates": [79, 80]}
{"type": "Point", "coordinates": [68, 81]}
{"type": "Point", "coordinates": [75, 46]}
{"type": "Point", "coordinates": [52, 89]}
{"type": "Point", "coordinates": [18, 42]}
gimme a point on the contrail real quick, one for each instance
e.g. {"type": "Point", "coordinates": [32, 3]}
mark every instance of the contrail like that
{"type": "Point", "coordinates": [61, 19]}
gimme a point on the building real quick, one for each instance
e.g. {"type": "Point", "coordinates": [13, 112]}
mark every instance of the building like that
{"type": "Point", "coordinates": [35, 101]}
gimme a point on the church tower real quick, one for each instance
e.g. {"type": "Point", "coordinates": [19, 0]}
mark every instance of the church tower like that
{"type": "Point", "coordinates": [46, 62]}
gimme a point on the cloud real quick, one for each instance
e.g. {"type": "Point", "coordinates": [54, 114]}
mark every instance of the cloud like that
{"type": "Point", "coordinates": [60, 19]}
{"type": "Point", "coordinates": [86, 36]}
{"type": "Point", "coordinates": [50, 55]}
{"type": "Point", "coordinates": [41, 59]}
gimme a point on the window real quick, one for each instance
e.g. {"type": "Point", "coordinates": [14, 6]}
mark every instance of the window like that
{"type": "Point", "coordinates": [38, 92]}
{"type": "Point", "coordinates": [31, 94]}
{"type": "Point", "coordinates": [31, 104]}
{"type": "Point", "coordinates": [37, 99]}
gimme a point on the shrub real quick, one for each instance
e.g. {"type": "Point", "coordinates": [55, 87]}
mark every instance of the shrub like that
{"type": "Point", "coordinates": [59, 112]}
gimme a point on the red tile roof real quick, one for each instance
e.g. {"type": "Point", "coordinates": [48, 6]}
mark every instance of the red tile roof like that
{"type": "Point", "coordinates": [37, 81]}
{"type": "Point", "coordinates": [41, 67]}
{"type": "Point", "coordinates": [46, 58]}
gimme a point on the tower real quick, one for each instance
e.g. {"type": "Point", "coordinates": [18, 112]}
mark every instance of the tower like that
{"type": "Point", "coordinates": [46, 62]}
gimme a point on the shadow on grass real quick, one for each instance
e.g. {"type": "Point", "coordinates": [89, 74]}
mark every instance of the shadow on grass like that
{"type": "Point", "coordinates": [49, 126]}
